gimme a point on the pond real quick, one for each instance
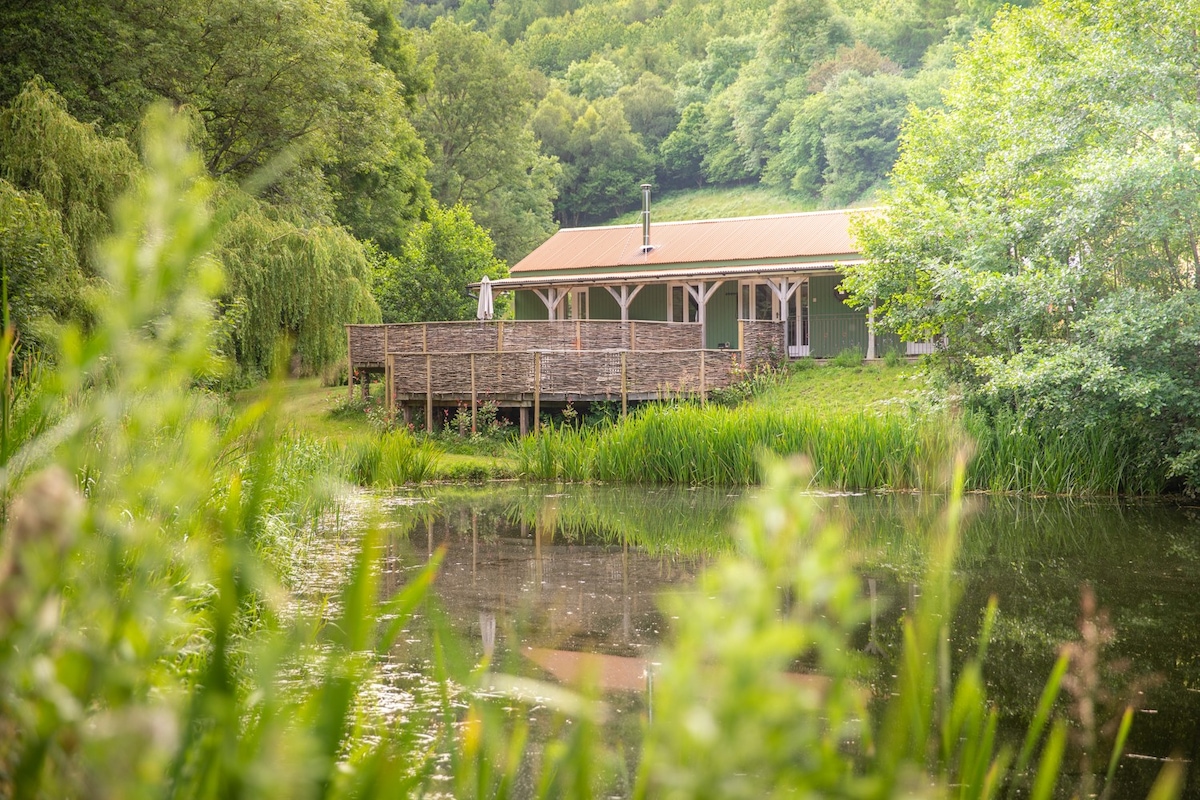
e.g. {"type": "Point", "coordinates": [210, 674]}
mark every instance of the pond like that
{"type": "Point", "coordinates": [535, 575]}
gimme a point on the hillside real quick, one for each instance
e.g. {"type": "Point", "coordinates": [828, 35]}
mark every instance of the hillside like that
{"type": "Point", "coordinates": [716, 203]}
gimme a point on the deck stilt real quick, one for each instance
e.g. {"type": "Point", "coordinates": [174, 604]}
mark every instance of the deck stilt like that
{"type": "Point", "coordinates": [428, 393]}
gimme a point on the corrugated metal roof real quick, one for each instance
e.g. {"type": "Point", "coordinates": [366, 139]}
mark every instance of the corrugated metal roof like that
{"type": "Point", "coordinates": [679, 273]}
{"type": "Point", "coordinates": [814, 234]}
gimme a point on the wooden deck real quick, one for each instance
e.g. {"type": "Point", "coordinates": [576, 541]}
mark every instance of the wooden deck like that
{"type": "Point", "coordinates": [526, 363]}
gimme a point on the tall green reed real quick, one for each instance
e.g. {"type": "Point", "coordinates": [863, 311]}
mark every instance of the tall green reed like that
{"type": "Point", "coordinates": [391, 459]}
{"type": "Point", "coordinates": [691, 444]}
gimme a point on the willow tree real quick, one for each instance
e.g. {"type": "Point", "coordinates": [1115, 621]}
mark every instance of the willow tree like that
{"type": "Point", "coordinates": [74, 169]}
{"type": "Point", "coordinates": [291, 285]}
{"type": "Point", "coordinates": [41, 276]}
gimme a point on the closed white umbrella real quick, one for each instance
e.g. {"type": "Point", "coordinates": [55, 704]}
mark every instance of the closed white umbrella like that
{"type": "Point", "coordinates": [485, 309]}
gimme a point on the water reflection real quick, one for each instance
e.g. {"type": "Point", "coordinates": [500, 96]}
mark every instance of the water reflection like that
{"type": "Point", "coordinates": [535, 576]}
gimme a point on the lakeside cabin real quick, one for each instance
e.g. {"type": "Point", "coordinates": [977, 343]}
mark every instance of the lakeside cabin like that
{"type": "Point", "coordinates": [635, 312]}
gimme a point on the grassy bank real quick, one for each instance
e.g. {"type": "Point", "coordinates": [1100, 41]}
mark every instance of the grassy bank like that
{"type": "Point", "coordinates": [351, 434]}
{"type": "Point", "coordinates": [863, 427]}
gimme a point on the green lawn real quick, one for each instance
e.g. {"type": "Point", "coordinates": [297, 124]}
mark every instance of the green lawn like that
{"type": "Point", "coordinates": [870, 387]}
{"type": "Point", "coordinates": [307, 406]}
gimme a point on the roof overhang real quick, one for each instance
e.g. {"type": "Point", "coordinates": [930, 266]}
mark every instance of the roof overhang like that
{"type": "Point", "coordinates": [667, 275]}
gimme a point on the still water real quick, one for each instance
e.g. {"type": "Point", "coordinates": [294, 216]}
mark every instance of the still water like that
{"type": "Point", "coordinates": [535, 575]}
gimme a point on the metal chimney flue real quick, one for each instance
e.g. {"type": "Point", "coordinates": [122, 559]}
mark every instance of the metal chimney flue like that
{"type": "Point", "coordinates": [646, 246]}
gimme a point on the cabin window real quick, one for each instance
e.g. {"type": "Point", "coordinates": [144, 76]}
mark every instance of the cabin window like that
{"type": "Point", "coordinates": [765, 305]}
{"type": "Point", "coordinates": [681, 306]}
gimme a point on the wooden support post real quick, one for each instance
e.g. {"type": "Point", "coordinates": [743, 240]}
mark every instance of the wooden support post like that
{"type": "Point", "coordinates": [387, 376]}
{"type": "Point", "coordinates": [633, 336]}
{"type": "Point", "coordinates": [578, 343]}
{"type": "Point", "coordinates": [407, 411]}
{"type": "Point", "coordinates": [473, 401]}
{"type": "Point", "coordinates": [871, 333]}
{"type": "Point", "coordinates": [500, 337]}
{"type": "Point", "coordinates": [389, 387]}
{"type": "Point", "coordinates": [624, 386]}
{"type": "Point", "coordinates": [537, 392]}
{"type": "Point", "coordinates": [428, 393]}
{"type": "Point", "coordinates": [523, 418]}
{"type": "Point", "coordinates": [742, 340]}
{"type": "Point", "coordinates": [703, 387]}
{"type": "Point", "coordinates": [425, 338]}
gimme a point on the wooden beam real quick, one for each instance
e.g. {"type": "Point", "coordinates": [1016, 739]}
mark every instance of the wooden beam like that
{"type": "Point", "coordinates": [871, 332]}
{"type": "Point", "coordinates": [703, 386]}
{"type": "Point", "coordinates": [625, 298]}
{"type": "Point", "coordinates": [702, 296]}
{"type": "Point", "coordinates": [474, 401]}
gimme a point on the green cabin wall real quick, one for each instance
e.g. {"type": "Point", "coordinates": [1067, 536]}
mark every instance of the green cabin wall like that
{"type": "Point", "coordinates": [833, 326]}
{"type": "Point", "coordinates": [721, 316]}
{"type": "Point", "coordinates": [601, 304]}
{"type": "Point", "coordinates": [527, 305]}
{"type": "Point", "coordinates": [650, 304]}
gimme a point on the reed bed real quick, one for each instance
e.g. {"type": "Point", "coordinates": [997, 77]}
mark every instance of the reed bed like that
{"type": "Point", "coordinates": [710, 445]}
{"type": "Point", "coordinates": [1014, 457]}
{"type": "Point", "coordinates": [392, 459]}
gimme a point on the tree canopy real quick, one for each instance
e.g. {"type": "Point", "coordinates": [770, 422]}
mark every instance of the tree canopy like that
{"type": "Point", "coordinates": [1045, 220]}
{"type": "Point", "coordinates": [428, 281]}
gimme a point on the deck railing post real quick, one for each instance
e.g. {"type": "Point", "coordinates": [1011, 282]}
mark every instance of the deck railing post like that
{"type": "Point", "coordinates": [428, 393]}
{"type": "Point", "coordinates": [425, 338]}
{"type": "Point", "coordinates": [537, 393]}
{"type": "Point", "coordinates": [499, 337]}
{"type": "Point", "coordinates": [633, 336]}
{"type": "Point", "coordinates": [703, 388]}
{"type": "Point", "coordinates": [473, 403]}
{"type": "Point", "coordinates": [578, 341]}
{"type": "Point", "coordinates": [742, 340]}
